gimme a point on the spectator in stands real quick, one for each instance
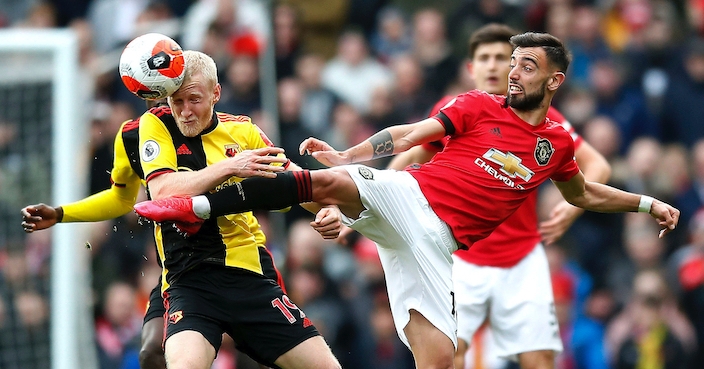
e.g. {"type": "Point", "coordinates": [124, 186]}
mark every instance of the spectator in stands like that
{"type": "Point", "coordinates": [411, 100]}
{"type": "Point", "coordinates": [650, 331]}
{"type": "Point", "coordinates": [680, 122]}
{"type": "Point", "coordinates": [321, 23]}
{"type": "Point", "coordinates": [432, 49]}
{"type": "Point", "coordinates": [392, 36]}
{"type": "Point", "coordinates": [241, 93]}
{"type": "Point", "coordinates": [690, 200]}
{"type": "Point", "coordinates": [318, 102]}
{"type": "Point", "coordinates": [625, 105]}
{"type": "Point", "coordinates": [353, 73]}
{"type": "Point", "coordinates": [117, 328]}
{"type": "Point", "coordinates": [287, 40]}
{"type": "Point", "coordinates": [686, 270]}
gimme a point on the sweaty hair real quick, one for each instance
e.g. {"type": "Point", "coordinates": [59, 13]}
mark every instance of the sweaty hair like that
{"type": "Point", "coordinates": [554, 48]}
{"type": "Point", "coordinates": [197, 62]}
{"type": "Point", "coordinates": [492, 32]}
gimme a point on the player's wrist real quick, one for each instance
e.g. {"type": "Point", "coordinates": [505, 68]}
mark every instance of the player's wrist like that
{"type": "Point", "coordinates": [645, 204]}
{"type": "Point", "coordinates": [59, 213]}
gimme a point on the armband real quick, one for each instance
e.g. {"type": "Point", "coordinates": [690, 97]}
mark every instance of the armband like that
{"type": "Point", "coordinates": [646, 202]}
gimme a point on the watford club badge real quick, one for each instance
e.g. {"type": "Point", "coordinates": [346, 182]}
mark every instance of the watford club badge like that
{"type": "Point", "coordinates": [543, 151]}
{"type": "Point", "coordinates": [231, 150]}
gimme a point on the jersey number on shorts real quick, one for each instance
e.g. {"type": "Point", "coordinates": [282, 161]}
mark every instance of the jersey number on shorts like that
{"type": "Point", "coordinates": [285, 305]}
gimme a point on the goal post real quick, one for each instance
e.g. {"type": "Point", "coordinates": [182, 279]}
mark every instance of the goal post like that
{"type": "Point", "coordinates": [50, 57]}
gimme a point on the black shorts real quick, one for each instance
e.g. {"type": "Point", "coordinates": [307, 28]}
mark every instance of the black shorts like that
{"type": "Point", "coordinates": [252, 308]}
{"type": "Point", "coordinates": [156, 309]}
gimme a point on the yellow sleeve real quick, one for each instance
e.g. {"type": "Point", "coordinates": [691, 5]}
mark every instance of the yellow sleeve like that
{"type": "Point", "coordinates": [104, 205]}
{"type": "Point", "coordinates": [113, 202]}
{"type": "Point", "coordinates": [157, 153]}
{"type": "Point", "coordinates": [259, 139]}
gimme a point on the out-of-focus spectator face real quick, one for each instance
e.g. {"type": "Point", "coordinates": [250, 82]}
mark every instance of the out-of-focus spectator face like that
{"type": "Point", "coordinates": [120, 302]}
{"type": "Point", "coordinates": [578, 106]}
{"type": "Point", "coordinates": [382, 321]}
{"type": "Point", "coordinates": [31, 308]}
{"type": "Point", "coordinates": [649, 293]}
{"type": "Point", "coordinates": [290, 99]}
{"type": "Point", "coordinates": [308, 69]}
{"type": "Point", "coordinates": [352, 48]}
{"type": "Point", "coordinates": [694, 65]}
{"type": "Point", "coordinates": [643, 246]}
{"type": "Point", "coordinates": [381, 102]}
{"type": "Point", "coordinates": [602, 133]}
{"type": "Point", "coordinates": [286, 31]}
{"type": "Point", "coordinates": [429, 26]}
{"type": "Point", "coordinates": [408, 75]}
{"type": "Point", "coordinates": [643, 157]}
{"type": "Point", "coordinates": [347, 122]}
{"type": "Point", "coordinates": [605, 78]}
{"type": "Point", "coordinates": [698, 160]}
{"type": "Point", "coordinates": [696, 230]}
{"type": "Point", "coordinates": [559, 21]}
{"type": "Point", "coordinates": [673, 169]}
{"type": "Point", "coordinates": [305, 285]}
{"type": "Point", "coordinates": [392, 25]}
{"type": "Point", "coordinates": [15, 270]}
{"type": "Point", "coordinates": [585, 24]}
{"type": "Point", "coordinates": [243, 73]}
{"type": "Point", "coordinates": [305, 246]}
{"type": "Point", "coordinates": [490, 67]}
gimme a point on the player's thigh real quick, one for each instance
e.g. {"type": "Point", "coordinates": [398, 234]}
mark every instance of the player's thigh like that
{"type": "Point", "coordinates": [152, 336]}
{"type": "Point", "coordinates": [188, 350]}
{"type": "Point", "coordinates": [522, 310]}
{"type": "Point", "coordinates": [431, 347]}
{"type": "Point", "coordinates": [311, 353]}
{"type": "Point", "coordinates": [540, 359]}
{"type": "Point", "coordinates": [335, 186]}
{"type": "Point", "coordinates": [473, 289]}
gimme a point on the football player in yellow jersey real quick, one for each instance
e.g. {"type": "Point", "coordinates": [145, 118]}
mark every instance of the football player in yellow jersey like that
{"type": "Point", "coordinates": [212, 280]}
{"type": "Point", "coordinates": [127, 177]}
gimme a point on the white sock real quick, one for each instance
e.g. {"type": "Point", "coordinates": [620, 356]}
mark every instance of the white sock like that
{"type": "Point", "coordinates": [201, 206]}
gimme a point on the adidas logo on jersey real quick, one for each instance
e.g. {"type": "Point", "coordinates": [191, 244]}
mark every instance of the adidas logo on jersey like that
{"type": "Point", "coordinates": [183, 150]}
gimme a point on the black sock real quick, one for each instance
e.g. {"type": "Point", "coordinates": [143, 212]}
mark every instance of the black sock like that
{"type": "Point", "coordinates": [287, 189]}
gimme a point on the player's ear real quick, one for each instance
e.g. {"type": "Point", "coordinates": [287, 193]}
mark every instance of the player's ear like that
{"type": "Point", "coordinates": [556, 80]}
{"type": "Point", "coordinates": [216, 93]}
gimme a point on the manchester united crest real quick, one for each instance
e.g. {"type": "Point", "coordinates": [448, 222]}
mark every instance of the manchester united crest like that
{"type": "Point", "coordinates": [543, 151]}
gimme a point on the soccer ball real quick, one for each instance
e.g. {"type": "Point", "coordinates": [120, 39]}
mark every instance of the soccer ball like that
{"type": "Point", "coordinates": [151, 66]}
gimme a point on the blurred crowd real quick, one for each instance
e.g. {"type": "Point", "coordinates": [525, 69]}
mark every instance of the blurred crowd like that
{"type": "Point", "coordinates": [347, 68]}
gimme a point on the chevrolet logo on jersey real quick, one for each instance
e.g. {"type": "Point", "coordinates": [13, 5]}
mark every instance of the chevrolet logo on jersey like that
{"type": "Point", "coordinates": [510, 164]}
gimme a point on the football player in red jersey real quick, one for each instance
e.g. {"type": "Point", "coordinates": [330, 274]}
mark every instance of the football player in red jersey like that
{"type": "Point", "coordinates": [418, 217]}
{"type": "Point", "coordinates": [509, 269]}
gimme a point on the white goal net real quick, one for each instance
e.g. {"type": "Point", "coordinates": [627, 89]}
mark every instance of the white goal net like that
{"type": "Point", "coordinates": [45, 310]}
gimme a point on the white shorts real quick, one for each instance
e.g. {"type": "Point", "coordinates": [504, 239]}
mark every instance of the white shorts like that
{"type": "Point", "coordinates": [518, 300]}
{"type": "Point", "coordinates": [415, 247]}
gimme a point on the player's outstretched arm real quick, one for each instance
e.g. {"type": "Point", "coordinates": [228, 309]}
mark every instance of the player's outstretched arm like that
{"type": "Point", "coordinates": [388, 141]}
{"type": "Point", "coordinates": [108, 204]}
{"type": "Point", "coordinates": [606, 199]}
{"type": "Point", "coordinates": [596, 169]}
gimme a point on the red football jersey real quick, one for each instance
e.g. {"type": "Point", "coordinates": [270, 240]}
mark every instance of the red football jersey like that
{"type": "Point", "coordinates": [492, 162]}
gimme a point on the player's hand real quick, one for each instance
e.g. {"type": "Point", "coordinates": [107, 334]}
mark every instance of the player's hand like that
{"type": "Point", "coordinates": [343, 238]}
{"type": "Point", "coordinates": [257, 163]}
{"type": "Point", "coordinates": [328, 222]}
{"type": "Point", "coordinates": [39, 216]}
{"type": "Point", "coordinates": [323, 152]}
{"type": "Point", "coordinates": [561, 218]}
{"type": "Point", "coordinates": [666, 215]}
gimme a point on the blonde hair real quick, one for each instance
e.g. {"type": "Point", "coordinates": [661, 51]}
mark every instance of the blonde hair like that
{"type": "Point", "coordinates": [197, 62]}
